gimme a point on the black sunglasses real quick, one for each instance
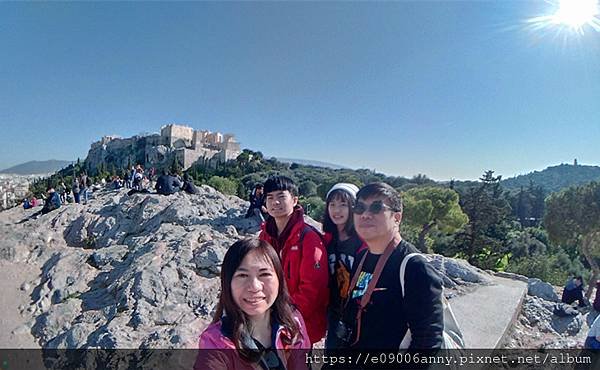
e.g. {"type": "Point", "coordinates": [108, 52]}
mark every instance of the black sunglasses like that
{"type": "Point", "coordinates": [375, 208]}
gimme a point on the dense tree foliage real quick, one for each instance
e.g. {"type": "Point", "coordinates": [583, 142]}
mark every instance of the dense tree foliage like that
{"type": "Point", "coordinates": [573, 217]}
{"type": "Point", "coordinates": [556, 178]}
{"type": "Point", "coordinates": [429, 208]}
{"type": "Point", "coordinates": [483, 240]}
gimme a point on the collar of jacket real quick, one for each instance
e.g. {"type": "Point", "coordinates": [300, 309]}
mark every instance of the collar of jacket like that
{"type": "Point", "coordinates": [227, 330]}
{"type": "Point", "coordinates": [271, 228]}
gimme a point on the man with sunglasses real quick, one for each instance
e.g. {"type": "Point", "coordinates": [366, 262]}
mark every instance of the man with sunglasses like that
{"type": "Point", "coordinates": [378, 317]}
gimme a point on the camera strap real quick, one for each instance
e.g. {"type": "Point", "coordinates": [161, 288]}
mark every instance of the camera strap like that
{"type": "Point", "coordinates": [372, 283]}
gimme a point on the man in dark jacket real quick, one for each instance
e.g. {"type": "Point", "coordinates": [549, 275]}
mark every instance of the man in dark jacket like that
{"type": "Point", "coordinates": [387, 315]}
{"type": "Point", "coordinates": [167, 184]}
{"type": "Point", "coordinates": [257, 201]}
{"type": "Point", "coordinates": [188, 185]}
{"type": "Point", "coordinates": [52, 201]}
{"type": "Point", "coordinates": [574, 291]}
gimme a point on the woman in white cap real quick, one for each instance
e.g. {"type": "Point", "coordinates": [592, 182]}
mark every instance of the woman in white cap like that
{"type": "Point", "coordinates": [343, 244]}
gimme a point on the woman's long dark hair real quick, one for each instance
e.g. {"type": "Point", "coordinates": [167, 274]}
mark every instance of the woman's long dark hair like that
{"type": "Point", "coordinates": [281, 311]}
{"type": "Point", "coordinates": [328, 225]}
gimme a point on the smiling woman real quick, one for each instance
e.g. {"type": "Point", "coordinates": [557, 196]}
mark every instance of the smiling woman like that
{"type": "Point", "coordinates": [255, 324]}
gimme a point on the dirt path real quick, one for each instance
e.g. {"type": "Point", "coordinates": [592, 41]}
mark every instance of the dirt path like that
{"type": "Point", "coordinates": [15, 331]}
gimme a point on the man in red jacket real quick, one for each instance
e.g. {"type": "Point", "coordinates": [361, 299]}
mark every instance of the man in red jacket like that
{"type": "Point", "coordinates": [303, 256]}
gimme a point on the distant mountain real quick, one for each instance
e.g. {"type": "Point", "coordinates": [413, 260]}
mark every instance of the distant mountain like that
{"type": "Point", "coordinates": [37, 167]}
{"type": "Point", "coordinates": [555, 178]}
{"type": "Point", "coordinates": [313, 163]}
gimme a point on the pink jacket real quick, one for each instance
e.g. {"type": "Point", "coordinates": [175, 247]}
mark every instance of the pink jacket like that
{"type": "Point", "coordinates": [218, 352]}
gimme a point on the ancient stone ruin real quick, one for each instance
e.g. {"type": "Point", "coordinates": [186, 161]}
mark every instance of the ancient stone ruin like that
{"type": "Point", "coordinates": [174, 143]}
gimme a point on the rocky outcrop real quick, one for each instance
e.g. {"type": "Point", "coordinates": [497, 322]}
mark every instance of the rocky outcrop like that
{"type": "Point", "coordinates": [456, 271]}
{"type": "Point", "coordinates": [539, 327]}
{"type": "Point", "coordinates": [126, 271]}
{"type": "Point", "coordinates": [538, 288]}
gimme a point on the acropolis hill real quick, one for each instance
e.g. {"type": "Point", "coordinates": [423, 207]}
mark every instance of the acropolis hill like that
{"type": "Point", "coordinates": [175, 142]}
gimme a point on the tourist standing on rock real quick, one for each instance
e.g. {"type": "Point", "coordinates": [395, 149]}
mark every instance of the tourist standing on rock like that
{"type": "Point", "coordinates": [254, 326]}
{"type": "Point", "coordinates": [343, 244]}
{"type": "Point", "coordinates": [167, 184]}
{"type": "Point", "coordinates": [62, 192]}
{"type": "Point", "coordinates": [84, 183]}
{"type": "Point", "coordinates": [76, 189]}
{"type": "Point", "coordinates": [378, 316]}
{"type": "Point", "coordinates": [126, 180]}
{"type": "Point", "coordinates": [302, 253]}
{"type": "Point", "coordinates": [138, 176]}
{"type": "Point", "coordinates": [574, 291]}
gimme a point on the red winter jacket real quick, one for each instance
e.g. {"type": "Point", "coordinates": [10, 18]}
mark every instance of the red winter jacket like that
{"type": "Point", "coordinates": [305, 270]}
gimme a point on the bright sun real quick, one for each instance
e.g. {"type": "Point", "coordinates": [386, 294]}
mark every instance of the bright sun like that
{"type": "Point", "coordinates": [576, 13]}
{"type": "Point", "coordinates": [569, 15]}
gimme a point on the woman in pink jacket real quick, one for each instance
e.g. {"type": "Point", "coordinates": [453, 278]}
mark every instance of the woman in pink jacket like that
{"type": "Point", "coordinates": [254, 326]}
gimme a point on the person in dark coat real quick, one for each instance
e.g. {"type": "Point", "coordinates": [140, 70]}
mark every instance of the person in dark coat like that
{"type": "Point", "coordinates": [167, 184]}
{"type": "Point", "coordinates": [52, 201]}
{"type": "Point", "coordinates": [188, 185]}
{"type": "Point", "coordinates": [257, 204]}
{"type": "Point", "coordinates": [596, 303]}
{"type": "Point", "coordinates": [574, 291]}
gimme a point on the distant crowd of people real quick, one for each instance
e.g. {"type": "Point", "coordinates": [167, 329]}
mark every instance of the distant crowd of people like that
{"type": "Point", "coordinates": [137, 180]}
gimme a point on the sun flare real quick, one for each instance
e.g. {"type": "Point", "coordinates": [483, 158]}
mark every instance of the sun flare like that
{"type": "Point", "coordinates": [569, 15]}
{"type": "Point", "coordinates": [576, 13]}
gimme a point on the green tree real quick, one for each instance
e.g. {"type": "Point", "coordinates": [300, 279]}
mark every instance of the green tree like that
{"type": "Point", "coordinates": [573, 216]}
{"type": "Point", "coordinates": [483, 240]}
{"type": "Point", "coordinates": [224, 185]}
{"type": "Point", "coordinates": [175, 166]}
{"type": "Point", "coordinates": [314, 207]}
{"type": "Point", "coordinates": [307, 188]}
{"type": "Point", "coordinates": [428, 208]}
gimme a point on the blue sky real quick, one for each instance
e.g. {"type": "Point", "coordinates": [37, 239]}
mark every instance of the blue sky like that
{"type": "Point", "coordinates": [447, 89]}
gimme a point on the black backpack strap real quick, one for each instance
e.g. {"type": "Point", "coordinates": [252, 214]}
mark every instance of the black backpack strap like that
{"type": "Point", "coordinates": [306, 229]}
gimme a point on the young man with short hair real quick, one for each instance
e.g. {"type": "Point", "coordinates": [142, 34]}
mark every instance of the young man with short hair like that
{"type": "Point", "coordinates": [573, 291]}
{"type": "Point", "coordinates": [385, 318]}
{"type": "Point", "coordinates": [303, 256]}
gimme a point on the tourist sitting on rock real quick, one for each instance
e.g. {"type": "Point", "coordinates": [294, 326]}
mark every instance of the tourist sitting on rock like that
{"type": "Point", "coordinates": [257, 201]}
{"type": "Point", "coordinates": [26, 203]}
{"type": "Point", "coordinates": [167, 184]}
{"type": "Point", "coordinates": [574, 291]}
{"type": "Point", "coordinates": [116, 183]}
{"type": "Point", "coordinates": [188, 185]}
{"type": "Point", "coordinates": [52, 201]}
{"type": "Point", "coordinates": [254, 319]}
